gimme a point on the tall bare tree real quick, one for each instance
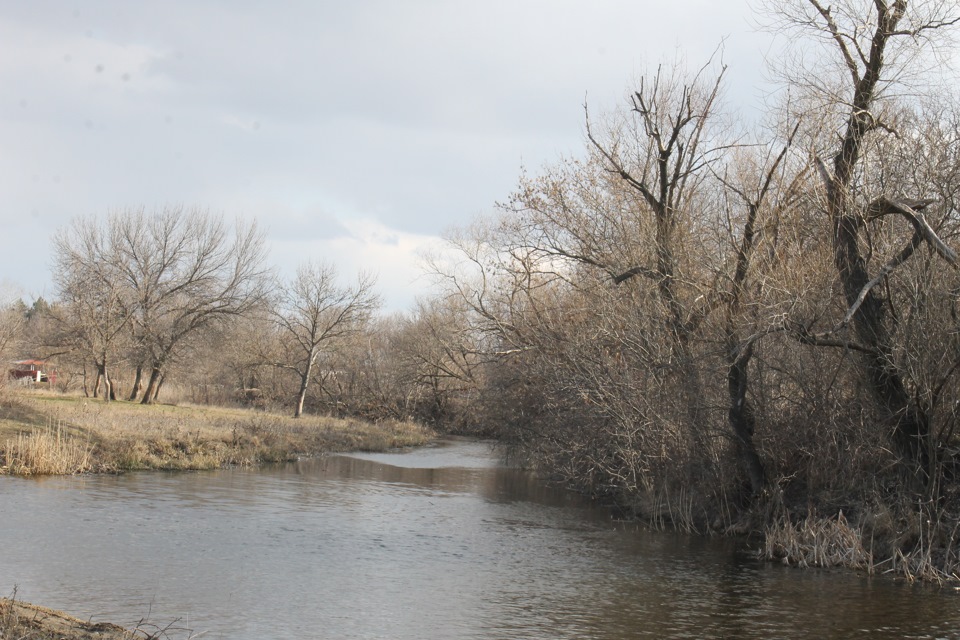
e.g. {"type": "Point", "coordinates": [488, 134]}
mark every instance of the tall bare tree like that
{"type": "Point", "coordinates": [12, 322]}
{"type": "Point", "coordinates": [646, 210]}
{"type": "Point", "coordinates": [313, 313]}
{"type": "Point", "coordinates": [95, 310]}
{"type": "Point", "coordinates": [184, 269]}
{"type": "Point", "coordinates": [739, 348]}
{"type": "Point", "coordinates": [875, 46]}
{"type": "Point", "coordinates": [154, 279]}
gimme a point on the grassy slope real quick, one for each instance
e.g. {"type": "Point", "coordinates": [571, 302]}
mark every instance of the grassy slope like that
{"type": "Point", "coordinates": [57, 434]}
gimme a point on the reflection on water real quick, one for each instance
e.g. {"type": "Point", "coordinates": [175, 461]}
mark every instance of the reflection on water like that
{"type": "Point", "coordinates": [441, 542]}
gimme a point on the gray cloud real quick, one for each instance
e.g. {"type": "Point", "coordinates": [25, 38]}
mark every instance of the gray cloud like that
{"type": "Point", "coordinates": [414, 114]}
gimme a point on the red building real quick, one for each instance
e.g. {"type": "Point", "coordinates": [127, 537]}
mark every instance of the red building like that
{"type": "Point", "coordinates": [35, 370]}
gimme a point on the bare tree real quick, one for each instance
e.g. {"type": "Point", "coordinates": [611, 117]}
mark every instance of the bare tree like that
{"type": "Point", "coordinates": [730, 257]}
{"type": "Point", "coordinates": [876, 45]}
{"type": "Point", "coordinates": [12, 322]}
{"type": "Point", "coordinates": [437, 351]}
{"type": "Point", "coordinates": [646, 207]}
{"type": "Point", "coordinates": [183, 269]}
{"type": "Point", "coordinates": [94, 311]}
{"type": "Point", "coordinates": [155, 279]}
{"type": "Point", "coordinates": [313, 313]}
{"type": "Point", "coordinates": [739, 348]}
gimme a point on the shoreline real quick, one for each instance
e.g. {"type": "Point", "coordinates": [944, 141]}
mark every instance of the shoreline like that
{"type": "Point", "coordinates": [52, 434]}
{"type": "Point", "coordinates": [20, 619]}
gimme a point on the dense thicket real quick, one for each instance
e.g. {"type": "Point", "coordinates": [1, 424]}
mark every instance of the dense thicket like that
{"type": "Point", "coordinates": [713, 324]}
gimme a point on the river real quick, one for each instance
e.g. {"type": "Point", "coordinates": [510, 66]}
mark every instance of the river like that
{"type": "Point", "coordinates": [441, 542]}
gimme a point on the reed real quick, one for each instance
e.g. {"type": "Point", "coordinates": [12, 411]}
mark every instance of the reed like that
{"type": "Point", "coordinates": [930, 553]}
{"type": "Point", "coordinates": [45, 452]}
{"type": "Point", "coordinates": [817, 542]}
{"type": "Point", "coordinates": [671, 510]}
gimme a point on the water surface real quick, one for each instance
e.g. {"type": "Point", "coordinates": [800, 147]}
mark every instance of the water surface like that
{"type": "Point", "coordinates": [441, 542]}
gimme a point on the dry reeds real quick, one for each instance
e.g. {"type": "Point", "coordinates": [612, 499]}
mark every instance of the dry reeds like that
{"type": "Point", "coordinates": [817, 542]}
{"type": "Point", "coordinates": [928, 553]}
{"type": "Point", "coordinates": [933, 556]}
{"type": "Point", "coordinates": [46, 452]}
{"type": "Point", "coordinates": [672, 510]}
{"type": "Point", "coordinates": [920, 565]}
{"type": "Point", "coordinates": [23, 621]}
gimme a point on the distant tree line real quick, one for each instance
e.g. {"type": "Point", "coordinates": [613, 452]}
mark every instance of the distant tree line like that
{"type": "Point", "coordinates": [177, 305]}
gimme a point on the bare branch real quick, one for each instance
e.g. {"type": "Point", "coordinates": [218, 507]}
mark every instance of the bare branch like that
{"type": "Point", "coordinates": [886, 270]}
{"type": "Point", "coordinates": [839, 38]}
{"type": "Point", "coordinates": [912, 211]}
{"type": "Point", "coordinates": [803, 335]}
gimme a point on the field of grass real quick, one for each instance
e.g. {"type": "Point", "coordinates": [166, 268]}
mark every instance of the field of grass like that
{"type": "Point", "coordinates": [47, 433]}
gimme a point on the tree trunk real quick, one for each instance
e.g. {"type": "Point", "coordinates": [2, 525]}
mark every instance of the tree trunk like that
{"type": "Point", "coordinates": [107, 388]}
{"type": "Point", "coordinates": [137, 384]}
{"type": "Point", "coordinates": [885, 380]}
{"type": "Point", "coordinates": [304, 382]}
{"type": "Point", "coordinates": [740, 415]}
{"type": "Point", "coordinates": [301, 396]}
{"type": "Point", "coordinates": [152, 384]}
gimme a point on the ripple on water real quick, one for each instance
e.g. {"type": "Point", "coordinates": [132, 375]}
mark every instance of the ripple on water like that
{"type": "Point", "coordinates": [443, 542]}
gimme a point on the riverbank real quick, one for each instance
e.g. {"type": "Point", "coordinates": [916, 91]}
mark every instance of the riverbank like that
{"type": "Point", "coordinates": [53, 434]}
{"type": "Point", "coordinates": [22, 621]}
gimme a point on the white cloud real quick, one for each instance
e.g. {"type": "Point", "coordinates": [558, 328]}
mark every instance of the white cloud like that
{"type": "Point", "coordinates": [371, 247]}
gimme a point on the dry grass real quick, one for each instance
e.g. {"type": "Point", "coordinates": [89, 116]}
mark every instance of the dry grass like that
{"type": "Point", "coordinates": [22, 621]}
{"type": "Point", "coordinates": [671, 510]}
{"type": "Point", "coordinates": [922, 565]}
{"type": "Point", "coordinates": [46, 452]}
{"type": "Point", "coordinates": [920, 547]}
{"type": "Point", "coordinates": [817, 542]}
{"type": "Point", "coordinates": [928, 547]}
{"type": "Point", "coordinates": [56, 434]}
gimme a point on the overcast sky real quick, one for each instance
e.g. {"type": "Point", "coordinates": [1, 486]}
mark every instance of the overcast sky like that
{"type": "Point", "coordinates": [354, 132]}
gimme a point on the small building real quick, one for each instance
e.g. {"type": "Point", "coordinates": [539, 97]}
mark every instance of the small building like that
{"type": "Point", "coordinates": [33, 370]}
